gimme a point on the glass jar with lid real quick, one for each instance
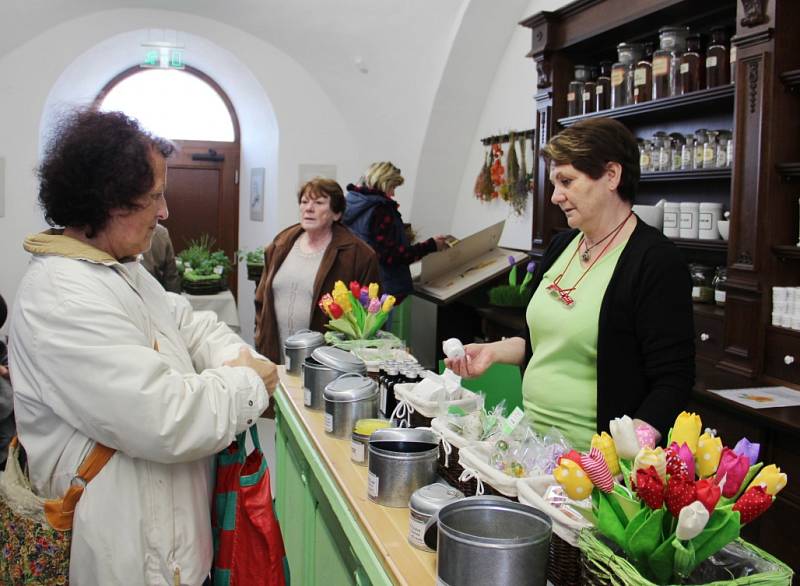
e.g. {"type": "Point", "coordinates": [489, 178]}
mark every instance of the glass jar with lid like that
{"type": "Point", "coordinates": [710, 150]}
{"type": "Point", "coordinates": [589, 87]}
{"type": "Point", "coordinates": [702, 288]}
{"type": "Point", "coordinates": [666, 61]}
{"type": "Point", "coordinates": [729, 152]}
{"type": "Point", "coordinates": [687, 153]}
{"type": "Point", "coordinates": [717, 61]}
{"type": "Point", "coordinates": [677, 141]}
{"type": "Point", "coordinates": [575, 90]}
{"type": "Point", "coordinates": [645, 155]}
{"type": "Point", "coordinates": [602, 91]}
{"type": "Point", "coordinates": [661, 152]}
{"type": "Point", "coordinates": [700, 138]}
{"type": "Point", "coordinates": [723, 137]}
{"type": "Point", "coordinates": [622, 74]}
{"type": "Point", "coordinates": [720, 284]}
{"type": "Point", "coordinates": [643, 76]}
{"type": "Point", "coordinates": [692, 69]}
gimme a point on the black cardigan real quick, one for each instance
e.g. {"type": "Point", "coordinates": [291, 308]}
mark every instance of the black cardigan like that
{"type": "Point", "coordinates": [645, 342]}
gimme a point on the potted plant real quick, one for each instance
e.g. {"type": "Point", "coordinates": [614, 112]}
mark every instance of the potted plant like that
{"type": "Point", "coordinates": [255, 263]}
{"type": "Point", "coordinates": [203, 271]}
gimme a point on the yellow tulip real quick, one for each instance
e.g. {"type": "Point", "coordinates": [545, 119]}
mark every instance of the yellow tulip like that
{"type": "Point", "coordinates": [709, 450]}
{"type": "Point", "coordinates": [574, 480]}
{"type": "Point", "coordinates": [343, 300]}
{"type": "Point", "coordinates": [687, 430]}
{"type": "Point", "coordinates": [339, 286]}
{"type": "Point", "coordinates": [771, 478]}
{"type": "Point", "coordinates": [651, 457]}
{"type": "Point", "coordinates": [388, 304]}
{"type": "Point", "coordinates": [605, 443]}
{"type": "Point", "coordinates": [373, 290]}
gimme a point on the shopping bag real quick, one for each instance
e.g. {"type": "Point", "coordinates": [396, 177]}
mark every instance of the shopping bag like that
{"type": "Point", "coordinates": [248, 547]}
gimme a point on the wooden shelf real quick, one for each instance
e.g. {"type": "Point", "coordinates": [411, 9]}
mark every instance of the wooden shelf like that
{"type": "Point", "coordinates": [688, 175]}
{"type": "Point", "coordinates": [704, 245]}
{"type": "Point", "coordinates": [714, 96]}
{"type": "Point", "coordinates": [789, 171]}
{"type": "Point", "coordinates": [787, 252]}
{"type": "Point", "coordinates": [709, 310]}
{"type": "Point", "coordinates": [791, 79]}
{"type": "Point", "coordinates": [782, 330]}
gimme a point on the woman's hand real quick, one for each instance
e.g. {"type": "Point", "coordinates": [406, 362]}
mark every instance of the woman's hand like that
{"type": "Point", "coordinates": [476, 360]}
{"type": "Point", "coordinates": [264, 368]}
{"type": "Point", "coordinates": [4, 372]}
{"type": "Point", "coordinates": [441, 241]}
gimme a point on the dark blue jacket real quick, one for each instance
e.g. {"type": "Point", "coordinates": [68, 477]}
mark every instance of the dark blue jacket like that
{"type": "Point", "coordinates": [361, 205]}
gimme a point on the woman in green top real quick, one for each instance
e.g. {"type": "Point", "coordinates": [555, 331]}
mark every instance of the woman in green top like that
{"type": "Point", "coordinates": [610, 321]}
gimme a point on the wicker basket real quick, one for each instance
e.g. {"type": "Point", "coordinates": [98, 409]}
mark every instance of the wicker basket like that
{"type": "Point", "coordinates": [601, 566]}
{"type": "Point", "coordinates": [254, 272]}
{"type": "Point", "coordinates": [208, 287]}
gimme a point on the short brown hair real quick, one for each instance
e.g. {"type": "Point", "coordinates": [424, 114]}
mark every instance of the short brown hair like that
{"type": "Point", "coordinates": [322, 187]}
{"type": "Point", "coordinates": [591, 144]}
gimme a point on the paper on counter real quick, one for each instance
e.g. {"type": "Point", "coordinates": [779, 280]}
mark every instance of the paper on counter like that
{"type": "Point", "coordinates": [762, 397]}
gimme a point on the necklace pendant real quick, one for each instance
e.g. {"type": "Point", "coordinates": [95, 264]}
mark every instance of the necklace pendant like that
{"type": "Point", "coordinates": [586, 255]}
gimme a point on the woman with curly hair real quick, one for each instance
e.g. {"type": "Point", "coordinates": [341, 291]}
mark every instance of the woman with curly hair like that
{"type": "Point", "coordinates": [101, 354]}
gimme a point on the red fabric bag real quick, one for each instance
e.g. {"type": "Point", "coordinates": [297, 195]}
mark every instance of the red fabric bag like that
{"type": "Point", "coordinates": [248, 547]}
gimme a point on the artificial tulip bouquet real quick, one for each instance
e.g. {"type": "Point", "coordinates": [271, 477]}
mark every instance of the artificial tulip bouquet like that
{"type": "Point", "coordinates": [669, 510]}
{"type": "Point", "coordinates": [356, 313]}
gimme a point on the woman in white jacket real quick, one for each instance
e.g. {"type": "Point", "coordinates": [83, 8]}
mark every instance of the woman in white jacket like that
{"type": "Point", "coordinates": [99, 352]}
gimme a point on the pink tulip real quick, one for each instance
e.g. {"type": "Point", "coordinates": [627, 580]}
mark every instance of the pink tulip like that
{"type": "Point", "coordinates": [374, 306]}
{"type": "Point", "coordinates": [733, 468]}
{"type": "Point", "coordinates": [684, 452]}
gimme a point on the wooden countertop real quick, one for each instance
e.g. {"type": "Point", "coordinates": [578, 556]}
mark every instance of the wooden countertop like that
{"type": "Point", "coordinates": [387, 528]}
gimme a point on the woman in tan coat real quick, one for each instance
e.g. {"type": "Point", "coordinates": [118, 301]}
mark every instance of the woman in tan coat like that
{"type": "Point", "coordinates": [303, 262]}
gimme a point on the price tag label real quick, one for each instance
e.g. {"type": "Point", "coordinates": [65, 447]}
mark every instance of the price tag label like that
{"type": "Point", "coordinates": [513, 420]}
{"type": "Point", "coordinates": [416, 532]}
{"type": "Point", "coordinates": [372, 485]}
{"type": "Point", "coordinates": [356, 451]}
{"type": "Point", "coordinates": [328, 422]}
{"type": "Point", "coordinates": [306, 397]}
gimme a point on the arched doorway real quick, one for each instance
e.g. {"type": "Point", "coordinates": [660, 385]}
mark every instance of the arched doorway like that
{"type": "Point", "coordinates": [189, 108]}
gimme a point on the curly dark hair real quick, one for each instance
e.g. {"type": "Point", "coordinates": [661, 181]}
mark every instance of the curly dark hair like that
{"type": "Point", "coordinates": [591, 144]}
{"type": "Point", "coordinates": [96, 162]}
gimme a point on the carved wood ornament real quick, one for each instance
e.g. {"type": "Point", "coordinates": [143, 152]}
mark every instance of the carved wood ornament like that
{"type": "Point", "coordinates": [753, 13]}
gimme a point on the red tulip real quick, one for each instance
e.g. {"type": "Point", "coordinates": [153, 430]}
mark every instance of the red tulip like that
{"type": "Point", "coordinates": [335, 310]}
{"type": "Point", "coordinates": [752, 503]}
{"type": "Point", "coordinates": [355, 288]}
{"type": "Point", "coordinates": [574, 456]}
{"type": "Point", "coordinates": [680, 492]}
{"type": "Point", "coordinates": [708, 493]}
{"type": "Point", "coordinates": [650, 487]}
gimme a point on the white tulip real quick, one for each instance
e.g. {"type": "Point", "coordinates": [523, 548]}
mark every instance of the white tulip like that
{"type": "Point", "coordinates": [691, 521]}
{"type": "Point", "coordinates": [624, 435]}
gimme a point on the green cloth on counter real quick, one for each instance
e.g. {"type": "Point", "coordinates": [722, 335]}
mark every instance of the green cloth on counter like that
{"type": "Point", "coordinates": [559, 388]}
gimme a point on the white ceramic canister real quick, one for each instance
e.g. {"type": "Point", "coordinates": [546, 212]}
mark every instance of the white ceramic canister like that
{"type": "Point", "coordinates": [672, 212]}
{"type": "Point", "coordinates": [690, 214]}
{"type": "Point", "coordinates": [709, 214]}
{"type": "Point", "coordinates": [423, 504]}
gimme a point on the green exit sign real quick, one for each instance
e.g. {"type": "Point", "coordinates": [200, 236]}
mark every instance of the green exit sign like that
{"type": "Point", "coordinates": [163, 58]}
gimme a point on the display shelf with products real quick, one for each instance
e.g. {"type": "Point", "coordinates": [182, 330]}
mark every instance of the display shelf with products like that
{"type": "Point", "coordinates": [687, 175]}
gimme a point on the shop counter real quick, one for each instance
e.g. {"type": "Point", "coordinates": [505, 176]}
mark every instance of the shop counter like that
{"type": "Point", "coordinates": [334, 534]}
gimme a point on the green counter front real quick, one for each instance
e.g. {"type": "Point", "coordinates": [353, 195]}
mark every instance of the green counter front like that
{"type": "Point", "coordinates": [334, 534]}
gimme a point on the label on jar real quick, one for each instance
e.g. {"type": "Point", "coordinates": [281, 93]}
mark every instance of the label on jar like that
{"type": "Point", "coordinates": [644, 162]}
{"type": "Point", "coordinates": [687, 220]}
{"type": "Point", "coordinates": [587, 96]}
{"type": "Point", "coordinates": [695, 292]}
{"type": "Point", "coordinates": [640, 76]}
{"type": "Point", "coordinates": [684, 68]}
{"type": "Point", "coordinates": [617, 77]}
{"type": "Point", "coordinates": [636, 92]}
{"type": "Point", "coordinates": [660, 65]}
{"type": "Point", "coordinates": [598, 90]}
{"type": "Point", "coordinates": [288, 362]}
{"type": "Point", "coordinates": [329, 422]}
{"type": "Point", "coordinates": [704, 220]}
{"type": "Point", "coordinates": [307, 397]}
{"type": "Point", "coordinates": [733, 54]}
{"type": "Point", "coordinates": [711, 61]}
{"type": "Point", "coordinates": [416, 532]}
{"type": "Point", "coordinates": [356, 451]}
{"type": "Point", "coordinates": [372, 485]}
{"type": "Point", "coordinates": [383, 400]}
{"type": "Point", "coordinates": [686, 158]}
{"type": "Point", "coordinates": [719, 297]}
{"type": "Point", "coordinates": [722, 157]}
{"type": "Point", "coordinates": [670, 219]}
{"type": "Point", "coordinates": [708, 155]}
{"type": "Point", "coordinates": [571, 97]}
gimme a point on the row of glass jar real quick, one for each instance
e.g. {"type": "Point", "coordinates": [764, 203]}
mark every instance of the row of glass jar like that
{"type": "Point", "coordinates": [708, 284]}
{"type": "Point", "coordinates": [705, 149]}
{"type": "Point", "coordinates": [641, 74]}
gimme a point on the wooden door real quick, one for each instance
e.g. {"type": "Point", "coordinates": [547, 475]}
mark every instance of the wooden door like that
{"type": "Point", "coordinates": [203, 196]}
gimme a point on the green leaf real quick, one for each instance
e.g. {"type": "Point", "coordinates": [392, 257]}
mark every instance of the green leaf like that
{"type": "Point", "coordinates": [629, 504]}
{"type": "Point", "coordinates": [512, 276]}
{"type": "Point", "coordinates": [359, 313]}
{"type": "Point", "coordinates": [342, 325]}
{"type": "Point", "coordinates": [646, 537]}
{"type": "Point", "coordinates": [722, 528]}
{"type": "Point", "coordinates": [662, 562]}
{"type": "Point", "coordinates": [609, 522]}
{"type": "Point", "coordinates": [625, 467]}
{"type": "Point", "coordinates": [685, 558]}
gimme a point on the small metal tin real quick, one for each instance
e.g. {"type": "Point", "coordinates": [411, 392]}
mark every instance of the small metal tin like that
{"type": "Point", "coordinates": [423, 504]}
{"type": "Point", "coordinates": [339, 359]}
{"type": "Point", "coordinates": [298, 347]}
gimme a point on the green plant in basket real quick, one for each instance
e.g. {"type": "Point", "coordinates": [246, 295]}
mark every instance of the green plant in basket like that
{"type": "Point", "coordinates": [357, 312]}
{"type": "Point", "coordinates": [674, 507]}
{"type": "Point", "coordinates": [252, 257]}
{"type": "Point", "coordinates": [514, 295]}
{"type": "Point", "coordinates": [198, 263]}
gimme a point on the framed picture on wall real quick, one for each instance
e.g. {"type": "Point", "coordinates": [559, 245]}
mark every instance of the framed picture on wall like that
{"type": "Point", "coordinates": [257, 175]}
{"type": "Point", "coordinates": [307, 172]}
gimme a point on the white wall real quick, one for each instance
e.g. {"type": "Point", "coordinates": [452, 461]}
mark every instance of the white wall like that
{"type": "Point", "coordinates": [285, 117]}
{"type": "Point", "coordinates": [510, 105]}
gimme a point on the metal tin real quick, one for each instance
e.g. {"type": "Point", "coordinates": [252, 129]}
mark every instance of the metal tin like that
{"type": "Point", "coordinates": [338, 359]}
{"type": "Point", "coordinates": [400, 462]}
{"type": "Point", "coordinates": [480, 538]}
{"type": "Point", "coordinates": [349, 398]}
{"type": "Point", "coordinates": [298, 347]}
{"type": "Point", "coordinates": [359, 444]}
{"type": "Point", "coordinates": [424, 503]}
